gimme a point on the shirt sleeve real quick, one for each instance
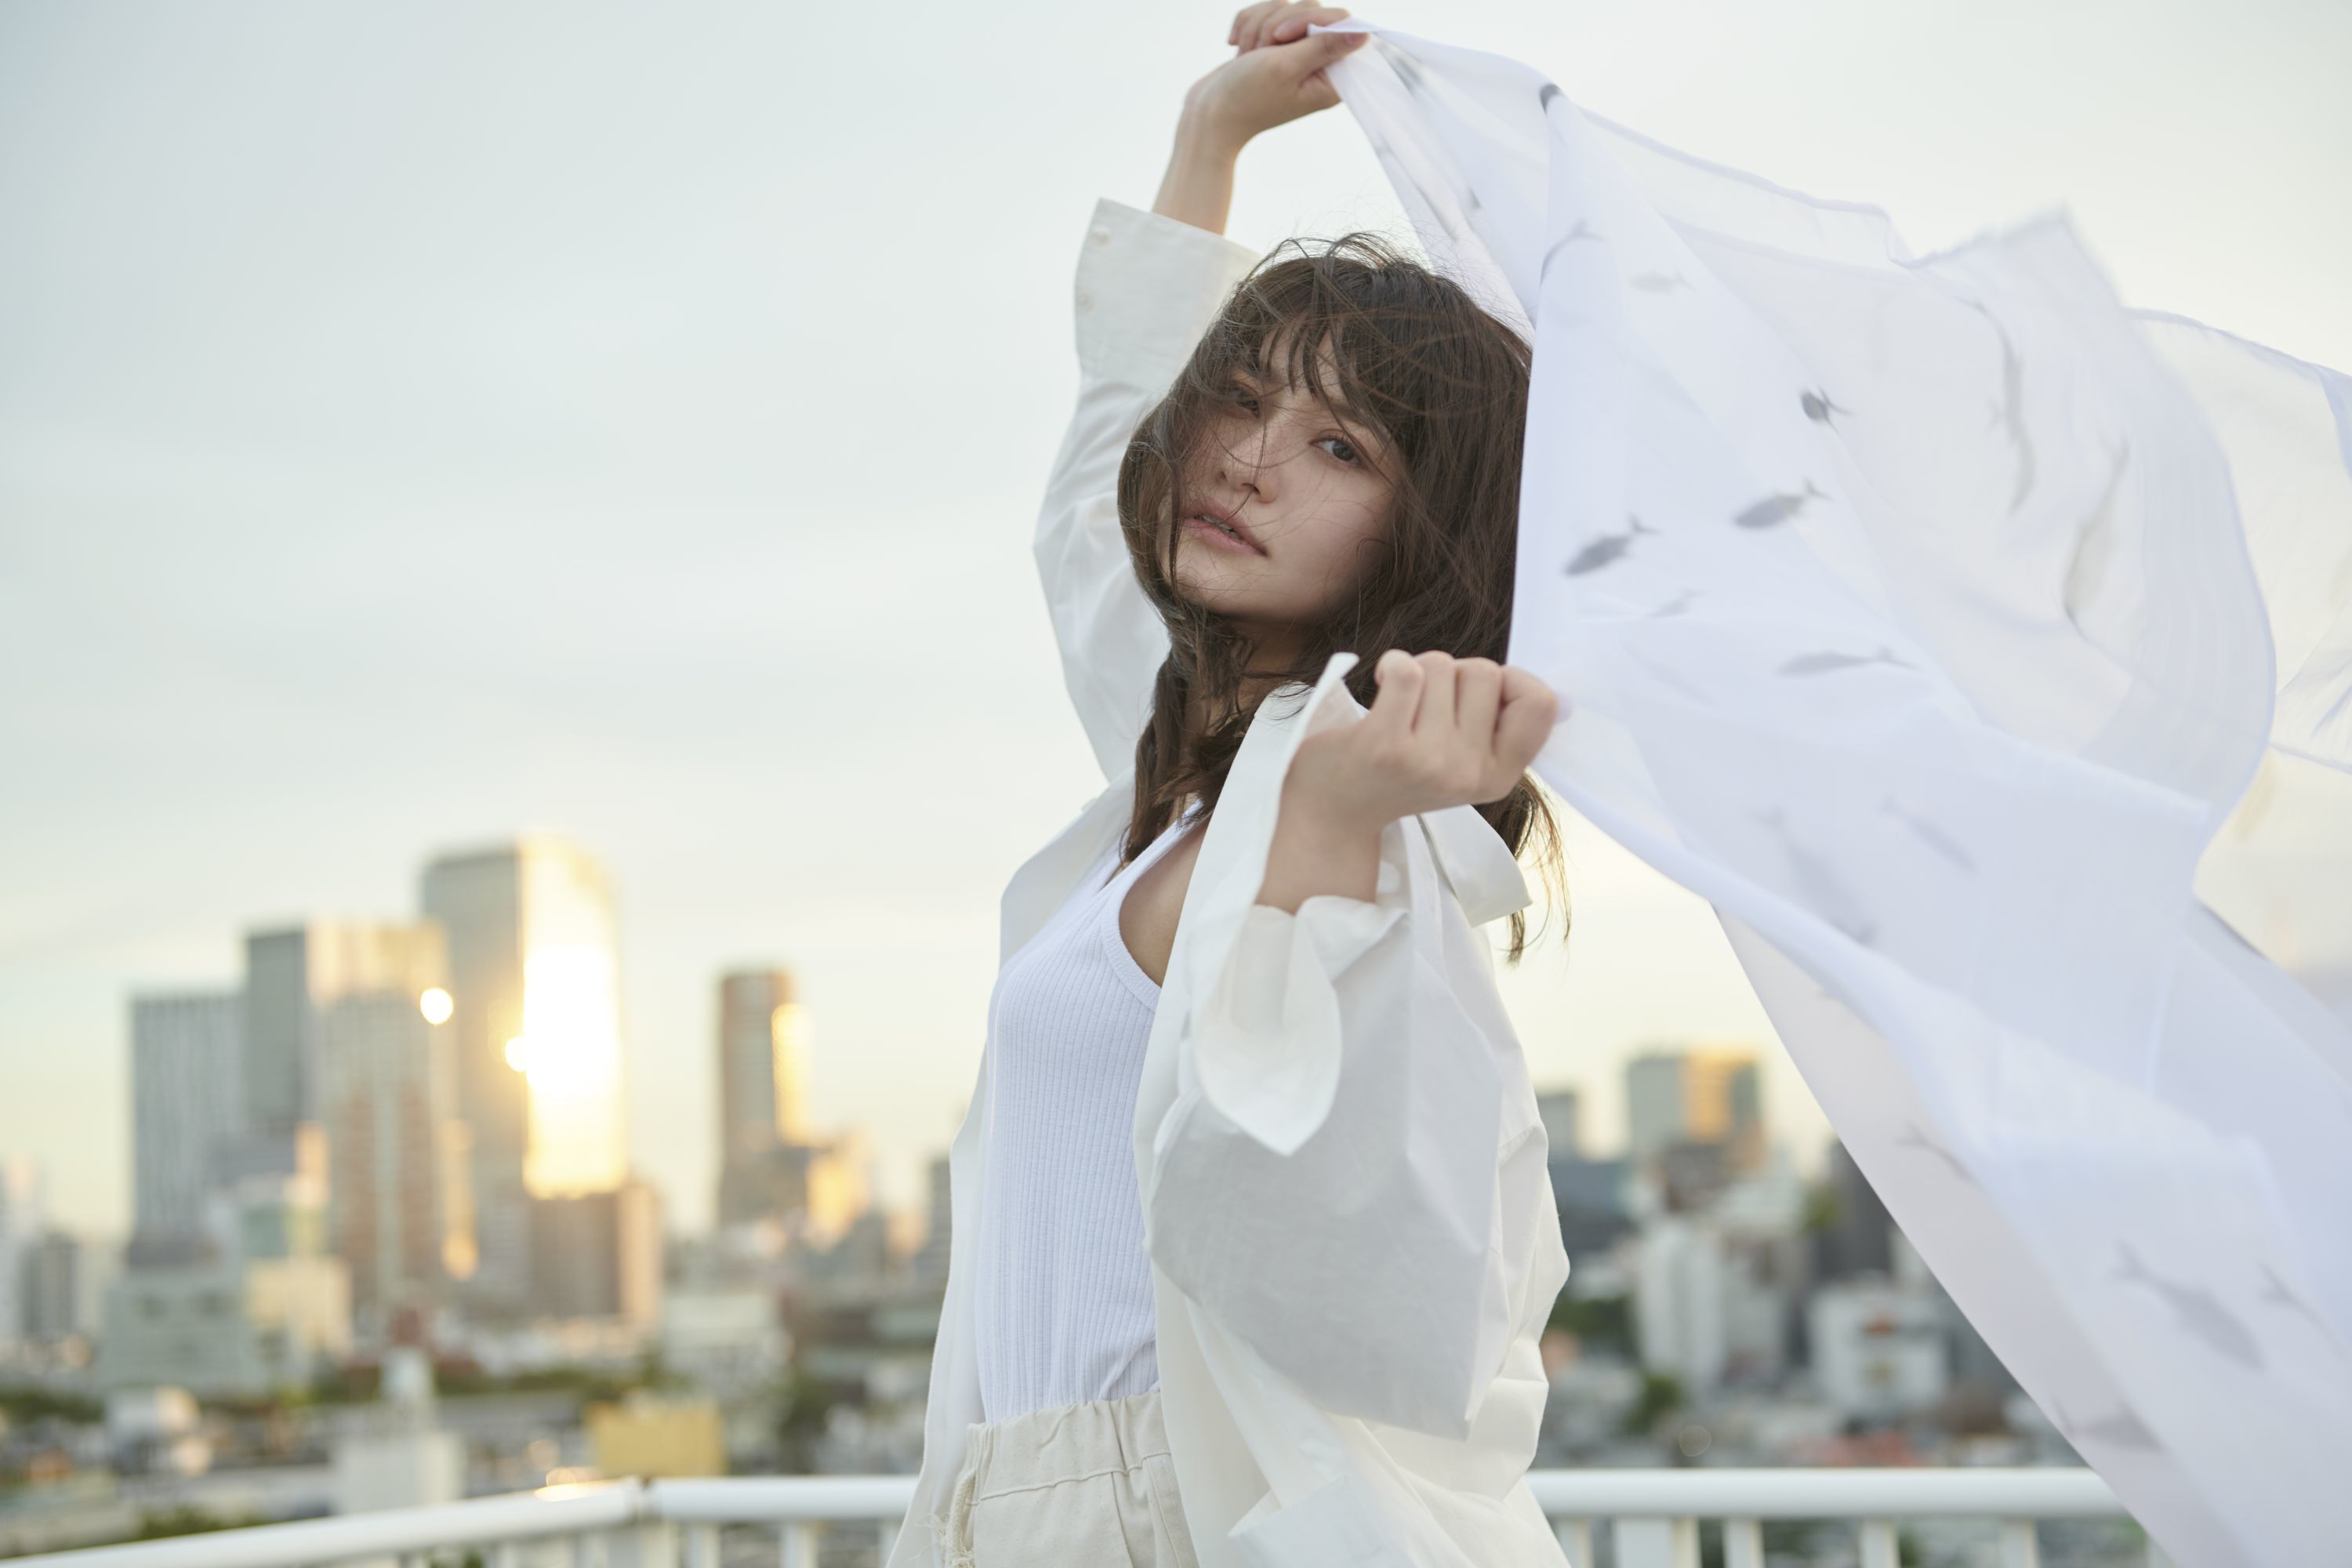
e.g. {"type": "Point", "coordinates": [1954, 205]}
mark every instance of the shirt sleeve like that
{"type": "Point", "coordinates": [1350, 1187]}
{"type": "Point", "coordinates": [1147, 285]}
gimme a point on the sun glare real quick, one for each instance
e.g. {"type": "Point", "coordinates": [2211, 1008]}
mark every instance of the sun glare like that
{"type": "Point", "coordinates": [436, 1005]}
{"type": "Point", "coordinates": [570, 1050]}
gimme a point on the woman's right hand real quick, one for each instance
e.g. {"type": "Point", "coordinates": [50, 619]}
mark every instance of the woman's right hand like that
{"type": "Point", "coordinates": [1276, 76]}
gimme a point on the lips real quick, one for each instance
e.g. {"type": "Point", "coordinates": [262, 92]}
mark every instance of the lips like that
{"type": "Point", "coordinates": [1226, 521]}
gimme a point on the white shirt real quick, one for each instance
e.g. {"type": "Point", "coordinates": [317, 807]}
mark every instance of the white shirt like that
{"type": "Point", "coordinates": [1340, 1168]}
{"type": "Point", "coordinates": [1062, 1307]}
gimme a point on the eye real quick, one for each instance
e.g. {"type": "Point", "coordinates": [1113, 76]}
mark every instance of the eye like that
{"type": "Point", "coordinates": [1242, 396]}
{"type": "Point", "coordinates": [1347, 452]}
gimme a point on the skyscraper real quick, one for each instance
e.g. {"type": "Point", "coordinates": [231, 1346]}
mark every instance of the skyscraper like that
{"type": "Point", "coordinates": [187, 1106]}
{"type": "Point", "coordinates": [291, 974]}
{"type": "Point", "coordinates": [1705, 1095]}
{"type": "Point", "coordinates": [22, 1228]}
{"type": "Point", "coordinates": [762, 1048]}
{"type": "Point", "coordinates": [534, 978]}
{"type": "Point", "coordinates": [401, 1214]}
{"type": "Point", "coordinates": [1556, 1108]}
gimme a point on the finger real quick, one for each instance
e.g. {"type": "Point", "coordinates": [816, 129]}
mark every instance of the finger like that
{"type": "Point", "coordinates": [1253, 24]}
{"type": "Point", "coordinates": [1329, 48]}
{"type": "Point", "coordinates": [1436, 715]}
{"type": "Point", "coordinates": [1477, 697]}
{"type": "Point", "coordinates": [1401, 680]}
{"type": "Point", "coordinates": [1294, 24]}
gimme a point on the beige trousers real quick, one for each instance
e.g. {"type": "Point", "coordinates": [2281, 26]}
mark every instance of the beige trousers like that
{"type": "Point", "coordinates": [1079, 1486]}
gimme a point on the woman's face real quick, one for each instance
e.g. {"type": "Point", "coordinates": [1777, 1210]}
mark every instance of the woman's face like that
{"type": "Point", "coordinates": [1299, 488]}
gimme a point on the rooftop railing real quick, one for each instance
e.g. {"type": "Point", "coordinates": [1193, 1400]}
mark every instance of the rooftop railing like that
{"type": "Point", "coordinates": [1652, 1520]}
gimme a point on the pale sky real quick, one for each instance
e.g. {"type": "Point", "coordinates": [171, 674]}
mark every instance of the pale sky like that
{"type": "Point", "coordinates": [420, 424]}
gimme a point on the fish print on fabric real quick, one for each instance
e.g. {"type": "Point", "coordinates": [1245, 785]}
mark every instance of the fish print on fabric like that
{"type": "Point", "coordinates": [1608, 548]}
{"type": "Point", "coordinates": [2008, 411]}
{"type": "Point", "coordinates": [1913, 1138]}
{"type": "Point", "coordinates": [2196, 1311]}
{"type": "Point", "coordinates": [1818, 407]}
{"type": "Point", "coordinates": [2095, 543]}
{"type": "Point", "coordinates": [1933, 837]}
{"type": "Point", "coordinates": [2276, 1294]}
{"type": "Point", "coordinates": [2123, 1429]}
{"type": "Point", "coordinates": [1779, 508]}
{"type": "Point", "coordinates": [1678, 605]}
{"type": "Point", "coordinates": [1824, 662]}
{"type": "Point", "coordinates": [1826, 893]}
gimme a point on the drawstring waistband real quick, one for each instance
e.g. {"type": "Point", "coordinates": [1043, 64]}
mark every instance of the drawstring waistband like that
{"type": "Point", "coordinates": [954, 1531]}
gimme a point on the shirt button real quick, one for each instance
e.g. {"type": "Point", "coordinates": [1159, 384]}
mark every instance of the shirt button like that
{"type": "Point", "coordinates": [1099, 236]}
{"type": "Point", "coordinates": [1086, 301]}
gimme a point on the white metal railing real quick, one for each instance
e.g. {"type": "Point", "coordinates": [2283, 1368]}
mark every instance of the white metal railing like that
{"type": "Point", "coordinates": [1653, 1518]}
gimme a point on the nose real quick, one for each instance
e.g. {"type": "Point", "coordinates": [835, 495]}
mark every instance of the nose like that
{"type": "Point", "coordinates": [1244, 463]}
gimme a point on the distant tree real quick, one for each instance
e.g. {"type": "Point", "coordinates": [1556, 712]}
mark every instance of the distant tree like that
{"type": "Point", "coordinates": [803, 1408]}
{"type": "Point", "coordinates": [186, 1518]}
{"type": "Point", "coordinates": [25, 1404]}
{"type": "Point", "coordinates": [1598, 1321]}
{"type": "Point", "coordinates": [1661, 1396]}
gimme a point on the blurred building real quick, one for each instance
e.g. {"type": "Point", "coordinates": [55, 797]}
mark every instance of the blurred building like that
{"type": "Point", "coordinates": [1680, 1324]}
{"type": "Point", "coordinates": [1704, 1094]}
{"type": "Point", "coordinates": [1880, 1348]}
{"type": "Point", "coordinates": [931, 1261]}
{"type": "Point", "coordinates": [762, 1106]}
{"type": "Point", "coordinates": [401, 1216]}
{"type": "Point", "coordinates": [648, 1436]}
{"type": "Point", "coordinates": [292, 976]}
{"type": "Point", "coordinates": [187, 1105]}
{"type": "Point", "coordinates": [1594, 1201]}
{"type": "Point", "coordinates": [728, 1339]}
{"type": "Point", "coordinates": [1852, 1232]}
{"type": "Point", "coordinates": [535, 1035]}
{"type": "Point", "coordinates": [223, 1326]}
{"type": "Point", "coordinates": [598, 1255]}
{"type": "Point", "coordinates": [1556, 1109]}
{"type": "Point", "coordinates": [53, 1284]}
{"type": "Point", "coordinates": [23, 1225]}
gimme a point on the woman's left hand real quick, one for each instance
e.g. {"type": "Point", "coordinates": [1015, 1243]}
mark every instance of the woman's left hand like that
{"type": "Point", "coordinates": [1441, 731]}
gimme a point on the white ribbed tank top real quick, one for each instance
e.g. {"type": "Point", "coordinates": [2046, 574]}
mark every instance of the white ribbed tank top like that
{"type": "Point", "coordinates": [1062, 1299]}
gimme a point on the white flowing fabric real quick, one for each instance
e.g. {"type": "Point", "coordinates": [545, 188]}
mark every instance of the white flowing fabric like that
{"type": "Point", "coordinates": [1928, 615]}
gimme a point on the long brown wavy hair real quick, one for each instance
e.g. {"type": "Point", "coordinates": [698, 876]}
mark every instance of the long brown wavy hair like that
{"type": "Point", "coordinates": [1445, 384]}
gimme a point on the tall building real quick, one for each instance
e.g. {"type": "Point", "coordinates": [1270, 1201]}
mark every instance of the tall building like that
{"type": "Point", "coordinates": [930, 1263]}
{"type": "Point", "coordinates": [536, 1039]}
{"type": "Point", "coordinates": [291, 975]}
{"type": "Point", "coordinates": [1555, 1108]}
{"type": "Point", "coordinates": [762, 1103]}
{"type": "Point", "coordinates": [1679, 1298]}
{"type": "Point", "coordinates": [1594, 1201]}
{"type": "Point", "coordinates": [22, 1228]}
{"type": "Point", "coordinates": [1706, 1095]}
{"type": "Point", "coordinates": [187, 1106]}
{"type": "Point", "coordinates": [54, 1288]}
{"type": "Point", "coordinates": [1852, 1232]}
{"type": "Point", "coordinates": [401, 1214]}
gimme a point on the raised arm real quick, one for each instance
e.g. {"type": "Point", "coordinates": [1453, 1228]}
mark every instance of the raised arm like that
{"type": "Point", "coordinates": [1147, 284]}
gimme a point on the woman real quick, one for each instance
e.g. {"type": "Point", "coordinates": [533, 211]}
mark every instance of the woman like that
{"type": "Point", "coordinates": [1251, 1230]}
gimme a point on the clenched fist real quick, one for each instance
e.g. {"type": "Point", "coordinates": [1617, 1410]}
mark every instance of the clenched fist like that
{"type": "Point", "coordinates": [1441, 731]}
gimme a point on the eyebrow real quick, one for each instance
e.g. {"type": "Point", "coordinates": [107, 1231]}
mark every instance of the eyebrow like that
{"type": "Point", "coordinates": [1338, 405]}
